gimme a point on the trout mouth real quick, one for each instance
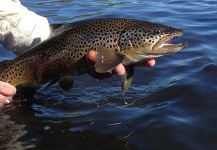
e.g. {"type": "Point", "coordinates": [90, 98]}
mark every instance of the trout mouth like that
{"type": "Point", "coordinates": [164, 45]}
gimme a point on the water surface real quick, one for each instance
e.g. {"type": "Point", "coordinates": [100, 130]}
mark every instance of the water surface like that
{"type": "Point", "coordinates": [172, 105]}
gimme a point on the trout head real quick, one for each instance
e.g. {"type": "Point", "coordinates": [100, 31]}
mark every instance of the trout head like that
{"type": "Point", "coordinates": [148, 40]}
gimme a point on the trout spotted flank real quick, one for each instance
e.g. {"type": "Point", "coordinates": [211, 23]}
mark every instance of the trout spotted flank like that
{"type": "Point", "coordinates": [116, 40]}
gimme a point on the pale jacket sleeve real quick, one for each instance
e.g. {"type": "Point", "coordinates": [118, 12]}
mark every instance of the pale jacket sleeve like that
{"type": "Point", "coordinates": [20, 28]}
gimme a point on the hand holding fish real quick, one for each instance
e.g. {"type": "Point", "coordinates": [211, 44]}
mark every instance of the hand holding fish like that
{"type": "Point", "coordinates": [7, 91]}
{"type": "Point", "coordinates": [119, 70]}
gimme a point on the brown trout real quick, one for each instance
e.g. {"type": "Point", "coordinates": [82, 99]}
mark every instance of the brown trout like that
{"type": "Point", "coordinates": [116, 40]}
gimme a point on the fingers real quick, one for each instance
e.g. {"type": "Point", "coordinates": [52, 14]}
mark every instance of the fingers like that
{"type": "Point", "coordinates": [149, 63]}
{"type": "Point", "coordinates": [90, 59]}
{"type": "Point", "coordinates": [91, 56]}
{"type": "Point", "coordinates": [119, 70]}
{"type": "Point", "coordinates": [7, 89]}
{"type": "Point", "coordinates": [6, 93]}
{"type": "Point", "coordinates": [5, 100]}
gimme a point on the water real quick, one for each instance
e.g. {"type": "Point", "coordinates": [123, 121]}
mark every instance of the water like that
{"type": "Point", "coordinates": [172, 105]}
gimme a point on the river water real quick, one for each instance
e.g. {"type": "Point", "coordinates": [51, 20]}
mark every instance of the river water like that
{"type": "Point", "coordinates": [172, 105]}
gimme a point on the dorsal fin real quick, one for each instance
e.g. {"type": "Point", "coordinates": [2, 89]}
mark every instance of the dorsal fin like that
{"type": "Point", "coordinates": [59, 29]}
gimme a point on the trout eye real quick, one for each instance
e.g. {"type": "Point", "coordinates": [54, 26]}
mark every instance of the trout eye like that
{"type": "Point", "coordinates": [157, 31]}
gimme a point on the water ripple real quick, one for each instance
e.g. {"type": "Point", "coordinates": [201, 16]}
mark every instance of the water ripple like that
{"type": "Point", "coordinates": [171, 105]}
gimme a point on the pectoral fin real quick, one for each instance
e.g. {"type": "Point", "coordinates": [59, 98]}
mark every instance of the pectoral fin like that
{"type": "Point", "coordinates": [127, 78]}
{"type": "Point", "coordinates": [107, 59]}
{"type": "Point", "coordinates": [66, 82]}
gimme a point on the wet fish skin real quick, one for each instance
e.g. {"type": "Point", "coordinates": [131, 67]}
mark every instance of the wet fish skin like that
{"type": "Point", "coordinates": [116, 40]}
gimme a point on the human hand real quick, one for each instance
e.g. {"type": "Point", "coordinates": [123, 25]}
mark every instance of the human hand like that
{"type": "Point", "coordinates": [7, 91]}
{"type": "Point", "coordinates": [119, 70]}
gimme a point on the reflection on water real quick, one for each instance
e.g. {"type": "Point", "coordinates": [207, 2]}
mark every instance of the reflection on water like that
{"type": "Point", "coordinates": [169, 106]}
